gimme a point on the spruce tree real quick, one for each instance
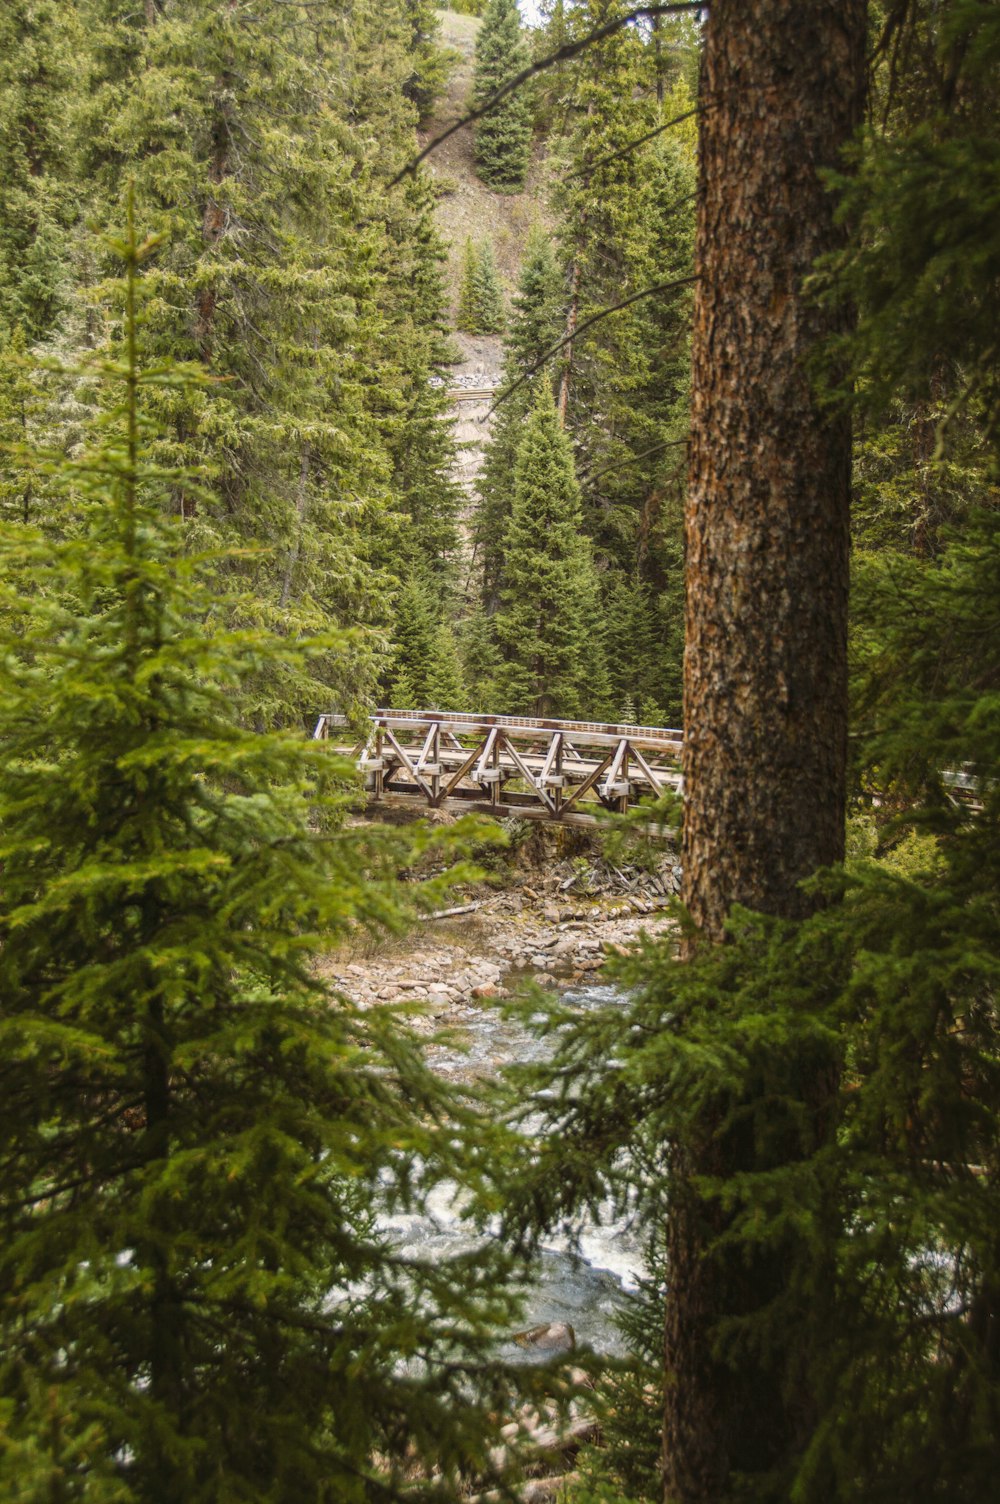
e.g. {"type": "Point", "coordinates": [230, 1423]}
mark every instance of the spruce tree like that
{"type": "Point", "coordinates": [534, 326]}
{"type": "Point", "coordinates": [197, 1140]}
{"type": "Point", "coordinates": [503, 135]}
{"type": "Point", "coordinates": [444, 678]}
{"type": "Point", "coordinates": [466, 317]}
{"type": "Point", "coordinates": [487, 294]}
{"type": "Point", "coordinates": [548, 626]}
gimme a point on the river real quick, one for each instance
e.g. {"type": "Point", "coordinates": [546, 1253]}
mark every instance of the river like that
{"type": "Point", "coordinates": [583, 1286]}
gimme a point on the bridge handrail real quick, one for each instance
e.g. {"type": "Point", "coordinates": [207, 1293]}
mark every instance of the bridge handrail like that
{"type": "Point", "coordinates": [458, 720]}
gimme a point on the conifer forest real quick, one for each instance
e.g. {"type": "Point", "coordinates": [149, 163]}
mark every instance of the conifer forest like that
{"type": "Point", "coordinates": [594, 369]}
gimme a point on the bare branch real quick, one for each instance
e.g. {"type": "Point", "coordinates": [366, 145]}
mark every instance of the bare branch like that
{"type": "Point", "coordinates": [623, 151]}
{"type": "Point", "coordinates": [586, 481]}
{"type": "Point", "coordinates": [564, 54]}
{"type": "Point", "coordinates": [602, 313]}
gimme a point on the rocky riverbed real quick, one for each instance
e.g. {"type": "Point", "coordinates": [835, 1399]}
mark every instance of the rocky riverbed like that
{"type": "Point", "coordinates": [532, 930]}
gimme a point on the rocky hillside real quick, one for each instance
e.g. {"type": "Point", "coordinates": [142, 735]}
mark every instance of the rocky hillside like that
{"type": "Point", "coordinates": [467, 207]}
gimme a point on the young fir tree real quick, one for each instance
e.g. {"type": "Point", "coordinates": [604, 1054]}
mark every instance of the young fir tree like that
{"type": "Point", "coordinates": [503, 135]}
{"type": "Point", "coordinates": [548, 627]}
{"type": "Point", "coordinates": [197, 1139]}
{"type": "Point", "coordinates": [534, 327]}
{"type": "Point", "coordinates": [465, 318]}
{"type": "Point", "coordinates": [487, 294]}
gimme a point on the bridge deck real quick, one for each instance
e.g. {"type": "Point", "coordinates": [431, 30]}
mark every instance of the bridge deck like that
{"type": "Point", "coordinates": [563, 771]}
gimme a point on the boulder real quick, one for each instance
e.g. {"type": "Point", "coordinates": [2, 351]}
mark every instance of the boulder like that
{"type": "Point", "coordinates": [551, 1337]}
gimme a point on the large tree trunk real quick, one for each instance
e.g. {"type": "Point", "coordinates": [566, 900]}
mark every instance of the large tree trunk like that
{"type": "Point", "coordinates": [765, 688]}
{"type": "Point", "coordinates": [765, 683]}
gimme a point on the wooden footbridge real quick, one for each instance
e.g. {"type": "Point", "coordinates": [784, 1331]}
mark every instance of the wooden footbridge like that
{"type": "Point", "coordinates": [563, 771]}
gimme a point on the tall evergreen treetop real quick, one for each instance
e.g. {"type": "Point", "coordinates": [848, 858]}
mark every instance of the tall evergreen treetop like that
{"type": "Point", "coordinates": [548, 625]}
{"type": "Point", "coordinates": [536, 323]}
{"type": "Point", "coordinates": [503, 136]}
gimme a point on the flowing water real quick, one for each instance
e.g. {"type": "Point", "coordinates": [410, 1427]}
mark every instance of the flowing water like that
{"type": "Point", "coordinates": [581, 1280]}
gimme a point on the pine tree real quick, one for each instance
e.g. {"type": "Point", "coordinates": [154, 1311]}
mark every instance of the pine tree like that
{"type": "Point", "coordinates": [534, 327]}
{"type": "Point", "coordinates": [444, 677]}
{"type": "Point", "coordinates": [487, 293]}
{"type": "Point", "coordinates": [466, 318]}
{"type": "Point", "coordinates": [503, 136]}
{"type": "Point", "coordinates": [548, 625]}
{"type": "Point", "coordinates": [195, 1300]}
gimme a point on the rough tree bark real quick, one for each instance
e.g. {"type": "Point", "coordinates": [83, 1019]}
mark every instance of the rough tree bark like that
{"type": "Point", "coordinates": [765, 683]}
{"type": "Point", "coordinates": [765, 686]}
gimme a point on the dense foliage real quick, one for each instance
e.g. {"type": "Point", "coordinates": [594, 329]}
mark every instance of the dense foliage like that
{"type": "Point", "coordinates": [199, 1142]}
{"type": "Point", "coordinates": [261, 141]}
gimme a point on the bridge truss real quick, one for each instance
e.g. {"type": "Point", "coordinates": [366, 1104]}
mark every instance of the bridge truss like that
{"type": "Point", "coordinates": [562, 771]}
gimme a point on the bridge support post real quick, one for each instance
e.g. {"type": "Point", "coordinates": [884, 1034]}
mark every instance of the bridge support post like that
{"type": "Point", "coordinates": [495, 766]}
{"type": "Point", "coordinates": [380, 769]}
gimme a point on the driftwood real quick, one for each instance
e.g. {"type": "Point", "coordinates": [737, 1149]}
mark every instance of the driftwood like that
{"type": "Point", "coordinates": [462, 908]}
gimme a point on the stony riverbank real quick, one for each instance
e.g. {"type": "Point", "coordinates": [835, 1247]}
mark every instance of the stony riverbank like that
{"type": "Point", "coordinates": [535, 929]}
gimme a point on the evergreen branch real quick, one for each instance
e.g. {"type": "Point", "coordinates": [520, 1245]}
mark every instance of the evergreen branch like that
{"type": "Point", "coordinates": [568, 339]}
{"type": "Point", "coordinates": [623, 151]}
{"type": "Point", "coordinates": [564, 54]}
{"type": "Point", "coordinates": [633, 459]}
